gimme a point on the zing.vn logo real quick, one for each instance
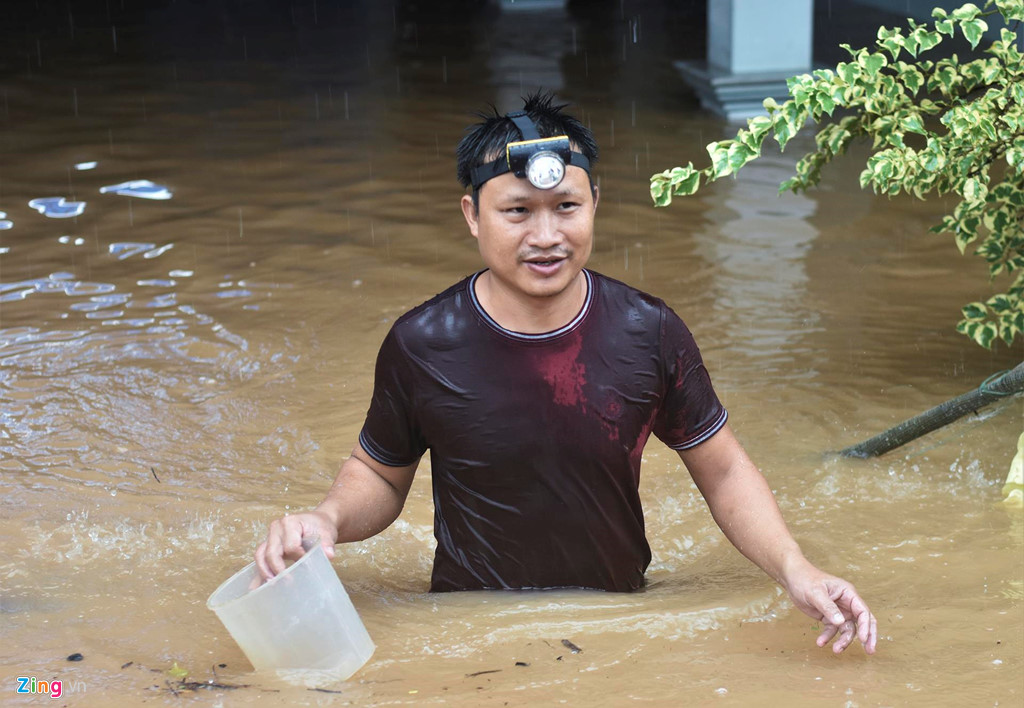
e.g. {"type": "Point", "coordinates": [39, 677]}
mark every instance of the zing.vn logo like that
{"type": "Point", "coordinates": [55, 689]}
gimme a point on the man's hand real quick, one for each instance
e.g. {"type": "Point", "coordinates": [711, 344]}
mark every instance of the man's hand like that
{"type": "Point", "coordinates": [836, 603]}
{"type": "Point", "coordinates": [744, 508]}
{"type": "Point", "coordinates": [284, 540]}
{"type": "Point", "coordinates": [365, 498]}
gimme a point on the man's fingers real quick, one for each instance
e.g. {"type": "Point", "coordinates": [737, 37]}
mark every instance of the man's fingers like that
{"type": "Point", "coordinates": [261, 562]}
{"type": "Point", "coordinates": [826, 636]}
{"type": "Point", "coordinates": [869, 645]}
{"type": "Point", "coordinates": [830, 612]}
{"type": "Point", "coordinates": [846, 634]}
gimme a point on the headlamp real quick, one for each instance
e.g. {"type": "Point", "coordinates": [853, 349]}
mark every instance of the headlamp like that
{"type": "Point", "coordinates": [542, 161]}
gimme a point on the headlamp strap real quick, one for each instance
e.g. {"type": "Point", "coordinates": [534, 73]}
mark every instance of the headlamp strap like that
{"type": "Point", "coordinates": [482, 173]}
{"type": "Point", "coordinates": [525, 125]}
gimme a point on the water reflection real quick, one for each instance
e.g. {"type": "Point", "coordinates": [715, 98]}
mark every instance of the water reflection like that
{"type": "Point", "coordinates": [758, 242]}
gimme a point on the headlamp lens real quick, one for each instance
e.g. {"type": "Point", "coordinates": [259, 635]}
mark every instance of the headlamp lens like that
{"type": "Point", "coordinates": [545, 170]}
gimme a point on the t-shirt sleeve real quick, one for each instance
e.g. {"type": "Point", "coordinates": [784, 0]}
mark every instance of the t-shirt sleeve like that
{"type": "Point", "coordinates": [690, 412]}
{"type": "Point", "coordinates": [391, 433]}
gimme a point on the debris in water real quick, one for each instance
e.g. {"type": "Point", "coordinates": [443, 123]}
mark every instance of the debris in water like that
{"type": "Point", "coordinates": [57, 207]}
{"type": "Point", "coordinates": [521, 663]}
{"type": "Point", "coordinates": [177, 672]}
{"type": "Point", "coordinates": [86, 166]}
{"type": "Point", "coordinates": [142, 188]}
{"type": "Point", "coordinates": [481, 673]}
{"type": "Point", "coordinates": [153, 470]}
{"type": "Point", "coordinates": [127, 664]}
{"type": "Point", "coordinates": [75, 657]}
{"type": "Point", "coordinates": [571, 647]}
{"type": "Point", "coordinates": [175, 688]}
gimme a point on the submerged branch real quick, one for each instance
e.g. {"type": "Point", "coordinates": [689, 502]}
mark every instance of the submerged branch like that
{"type": "Point", "coordinates": [1007, 384]}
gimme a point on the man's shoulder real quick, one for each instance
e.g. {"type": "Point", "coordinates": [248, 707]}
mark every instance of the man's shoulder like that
{"type": "Point", "coordinates": [629, 298]}
{"type": "Point", "coordinates": [441, 315]}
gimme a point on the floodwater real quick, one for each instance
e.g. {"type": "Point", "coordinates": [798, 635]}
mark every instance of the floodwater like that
{"type": "Point", "coordinates": [176, 373]}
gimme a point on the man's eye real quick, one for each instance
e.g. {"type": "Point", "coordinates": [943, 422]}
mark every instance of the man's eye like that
{"type": "Point", "coordinates": [516, 210]}
{"type": "Point", "coordinates": [568, 205]}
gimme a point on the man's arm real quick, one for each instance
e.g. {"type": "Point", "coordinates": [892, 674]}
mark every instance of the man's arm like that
{"type": "Point", "coordinates": [744, 508]}
{"type": "Point", "coordinates": [365, 499]}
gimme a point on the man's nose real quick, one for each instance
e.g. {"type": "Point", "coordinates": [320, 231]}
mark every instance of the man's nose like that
{"type": "Point", "coordinates": [545, 232]}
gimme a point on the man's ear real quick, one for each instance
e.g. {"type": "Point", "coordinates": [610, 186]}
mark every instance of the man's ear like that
{"type": "Point", "coordinates": [469, 211]}
{"type": "Point", "coordinates": [596, 191]}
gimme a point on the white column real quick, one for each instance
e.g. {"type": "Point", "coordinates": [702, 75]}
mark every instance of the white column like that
{"type": "Point", "coordinates": [753, 47]}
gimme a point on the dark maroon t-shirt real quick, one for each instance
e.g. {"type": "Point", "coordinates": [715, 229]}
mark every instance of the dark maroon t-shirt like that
{"type": "Point", "coordinates": [535, 439]}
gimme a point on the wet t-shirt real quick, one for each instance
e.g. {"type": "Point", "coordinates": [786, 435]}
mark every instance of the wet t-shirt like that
{"type": "Point", "coordinates": [535, 439]}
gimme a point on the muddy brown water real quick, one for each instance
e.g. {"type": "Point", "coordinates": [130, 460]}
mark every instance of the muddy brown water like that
{"type": "Point", "coordinates": [174, 374]}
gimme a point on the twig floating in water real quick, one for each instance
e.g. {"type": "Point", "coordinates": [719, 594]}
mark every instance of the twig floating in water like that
{"type": "Point", "coordinates": [196, 685]}
{"type": "Point", "coordinates": [481, 673]}
{"type": "Point", "coordinates": [126, 665]}
{"type": "Point", "coordinates": [571, 647]}
{"type": "Point", "coordinates": [153, 470]}
{"type": "Point", "coordinates": [323, 690]}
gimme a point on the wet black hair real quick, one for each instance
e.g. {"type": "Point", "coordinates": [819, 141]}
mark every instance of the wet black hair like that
{"type": "Point", "coordinates": [485, 141]}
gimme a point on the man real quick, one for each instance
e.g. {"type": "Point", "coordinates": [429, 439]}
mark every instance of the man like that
{"type": "Point", "coordinates": [535, 385]}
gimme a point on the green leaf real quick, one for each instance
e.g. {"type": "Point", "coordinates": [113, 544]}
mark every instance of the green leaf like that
{"type": "Point", "coordinates": [912, 79]}
{"type": "Point", "coordinates": [1007, 332]}
{"type": "Point", "coordinates": [872, 63]}
{"type": "Point", "coordinates": [891, 40]}
{"type": "Point", "coordinates": [974, 311]}
{"type": "Point", "coordinates": [838, 140]}
{"type": "Point", "coordinates": [759, 126]}
{"type": "Point", "coordinates": [688, 186]}
{"type": "Point", "coordinates": [177, 672]}
{"type": "Point", "coordinates": [661, 192]}
{"type": "Point", "coordinates": [986, 334]}
{"type": "Point", "coordinates": [973, 30]}
{"type": "Point", "coordinates": [827, 103]}
{"type": "Point", "coordinates": [912, 123]}
{"type": "Point", "coordinates": [999, 304]}
{"type": "Point", "coordinates": [848, 72]}
{"type": "Point", "coordinates": [1011, 10]}
{"type": "Point", "coordinates": [719, 153]}
{"type": "Point", "coordinates": [740, 154]}
{"type": "Point", "coordinates": [927, 40]}
{"type": "Point", "coordinates": [783, 133]}
{"type": "Point", "coordinates": [967, 11]}
{"type": "Point", "coordinates": [974, 190]}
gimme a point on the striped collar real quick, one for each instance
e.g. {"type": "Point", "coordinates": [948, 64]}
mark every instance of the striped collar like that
{"type": "Point", "coordinates": [542, 336]}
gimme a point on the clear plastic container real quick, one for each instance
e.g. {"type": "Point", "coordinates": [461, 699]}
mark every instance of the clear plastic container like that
{"type": "Point", "coordinates": [301, 624]}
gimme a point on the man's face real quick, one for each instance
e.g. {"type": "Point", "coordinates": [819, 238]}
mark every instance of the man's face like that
{"type": "Point", "coordinates": [534, 241]}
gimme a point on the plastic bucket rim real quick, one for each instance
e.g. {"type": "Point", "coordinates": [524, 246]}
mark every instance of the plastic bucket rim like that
{"type": "Point", "coordinates": [314, 544]}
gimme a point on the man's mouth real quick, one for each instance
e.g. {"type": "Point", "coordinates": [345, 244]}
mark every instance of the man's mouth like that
{"type": "Point", "coordinates": [544, 260]}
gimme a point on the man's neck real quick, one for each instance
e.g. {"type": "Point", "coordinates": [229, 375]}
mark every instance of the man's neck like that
{"type": "Point", "coordinates": [530, 315]}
